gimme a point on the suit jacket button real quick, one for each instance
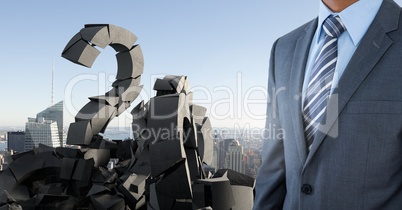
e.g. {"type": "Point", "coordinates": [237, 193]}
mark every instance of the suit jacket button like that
{"type": "Point", "coordinates": [306, 189]}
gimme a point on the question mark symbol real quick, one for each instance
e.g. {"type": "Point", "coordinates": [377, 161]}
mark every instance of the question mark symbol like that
{"type": "Point", "coordinates": [94, 117]}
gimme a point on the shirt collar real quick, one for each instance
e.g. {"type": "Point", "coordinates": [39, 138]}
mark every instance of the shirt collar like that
{"type": "Point", "coordinates": [357, 17]}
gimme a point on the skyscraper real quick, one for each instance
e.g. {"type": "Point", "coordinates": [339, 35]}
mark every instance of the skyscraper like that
{"type": "Point", "coordinates": [15, 141]}
{"type": "Point", "coordinates": [46, 128]}
{"type": "Point", "coordinates": [55, 113]}
{"type": "Point", "coordinates": [223, 146]}
{"type": "Point", "coordinates": [215, 157]}
{"type": "Point", "coordinates": [234, 157]}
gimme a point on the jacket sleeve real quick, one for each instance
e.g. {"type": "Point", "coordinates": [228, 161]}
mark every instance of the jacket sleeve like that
{"type": "Point", "coordinates": [270, 185]}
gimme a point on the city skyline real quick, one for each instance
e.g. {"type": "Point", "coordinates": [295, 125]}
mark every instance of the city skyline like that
{"type": "Point", "coordinates": [223, 47]}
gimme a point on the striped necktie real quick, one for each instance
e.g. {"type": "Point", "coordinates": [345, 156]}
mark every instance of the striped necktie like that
{"type": "Point", "coordinates": [320, 83]}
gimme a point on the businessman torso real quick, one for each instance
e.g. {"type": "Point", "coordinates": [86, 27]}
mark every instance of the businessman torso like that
{"type": "Point", "coordinates": [356, 159]}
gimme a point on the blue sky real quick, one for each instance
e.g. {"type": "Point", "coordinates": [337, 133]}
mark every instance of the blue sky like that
{"type": "Point", "coordinates": [222, 46]}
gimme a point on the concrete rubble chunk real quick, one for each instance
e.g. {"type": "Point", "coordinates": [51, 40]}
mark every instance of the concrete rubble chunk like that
{"type": "Point", "coordinates": [81, 53]}
{"type": "Point", "coordinates": [130, 63]}
{"type": "Point", "coordinates": [164, 155]}
{"type": "Point", "coordinates": [23, 167]}
{"type": "Point", "coordinates": [83, 170]}
{"type": "Point", "coordinates": [98, 114]}
{"type": "Point", "coordinates": [107, 202]}
{"type": "Point", "coordinates": [109, 100]}
{"type": "Point", "coordinates": [97, 188]}
{"type": "Point", "coordinates": [77, 37]}
{"type": "Point", "coordinates": [121, 39]}
{"type": "Point", "coordinates": [67, 168]}
{"type": "Point", "coordinates": [219, 192]}
{"type": "Point", "coordinates": [176, 182]}
{"type": "Point", "coordinates": [97, 35]}
{"type": "Point", "coordinates": [205, 142]}
{"type": "Point", "coordinates": [100, 156]}
{"type": "Point", "coordinates": [79, 133]}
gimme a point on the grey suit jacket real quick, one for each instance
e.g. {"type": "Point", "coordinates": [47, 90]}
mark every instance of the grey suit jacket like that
{"type": "Point", "coordinates": [356, 159]}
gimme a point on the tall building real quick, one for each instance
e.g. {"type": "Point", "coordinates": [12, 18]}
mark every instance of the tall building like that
{"type": "Point", "coordinates": [41, 131]}
{"type": "Point", "coordinates": [55, 114]}
{"type": "Point", "coordinates": [223, 146]}
{"type": "Point", "coordinates": [46, 128]}
{"type": "Point", "coordinates": [215, 156]}
{"type": "Point", "coordinates": [234, 157]}
{"type": "Point", "coordinates": [16, 141]}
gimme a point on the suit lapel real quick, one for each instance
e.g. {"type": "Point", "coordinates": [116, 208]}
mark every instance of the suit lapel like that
{"type": "Point", "coordinates": [296, 83]}
{"type": "Point", "coordinates": [372, 47]}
